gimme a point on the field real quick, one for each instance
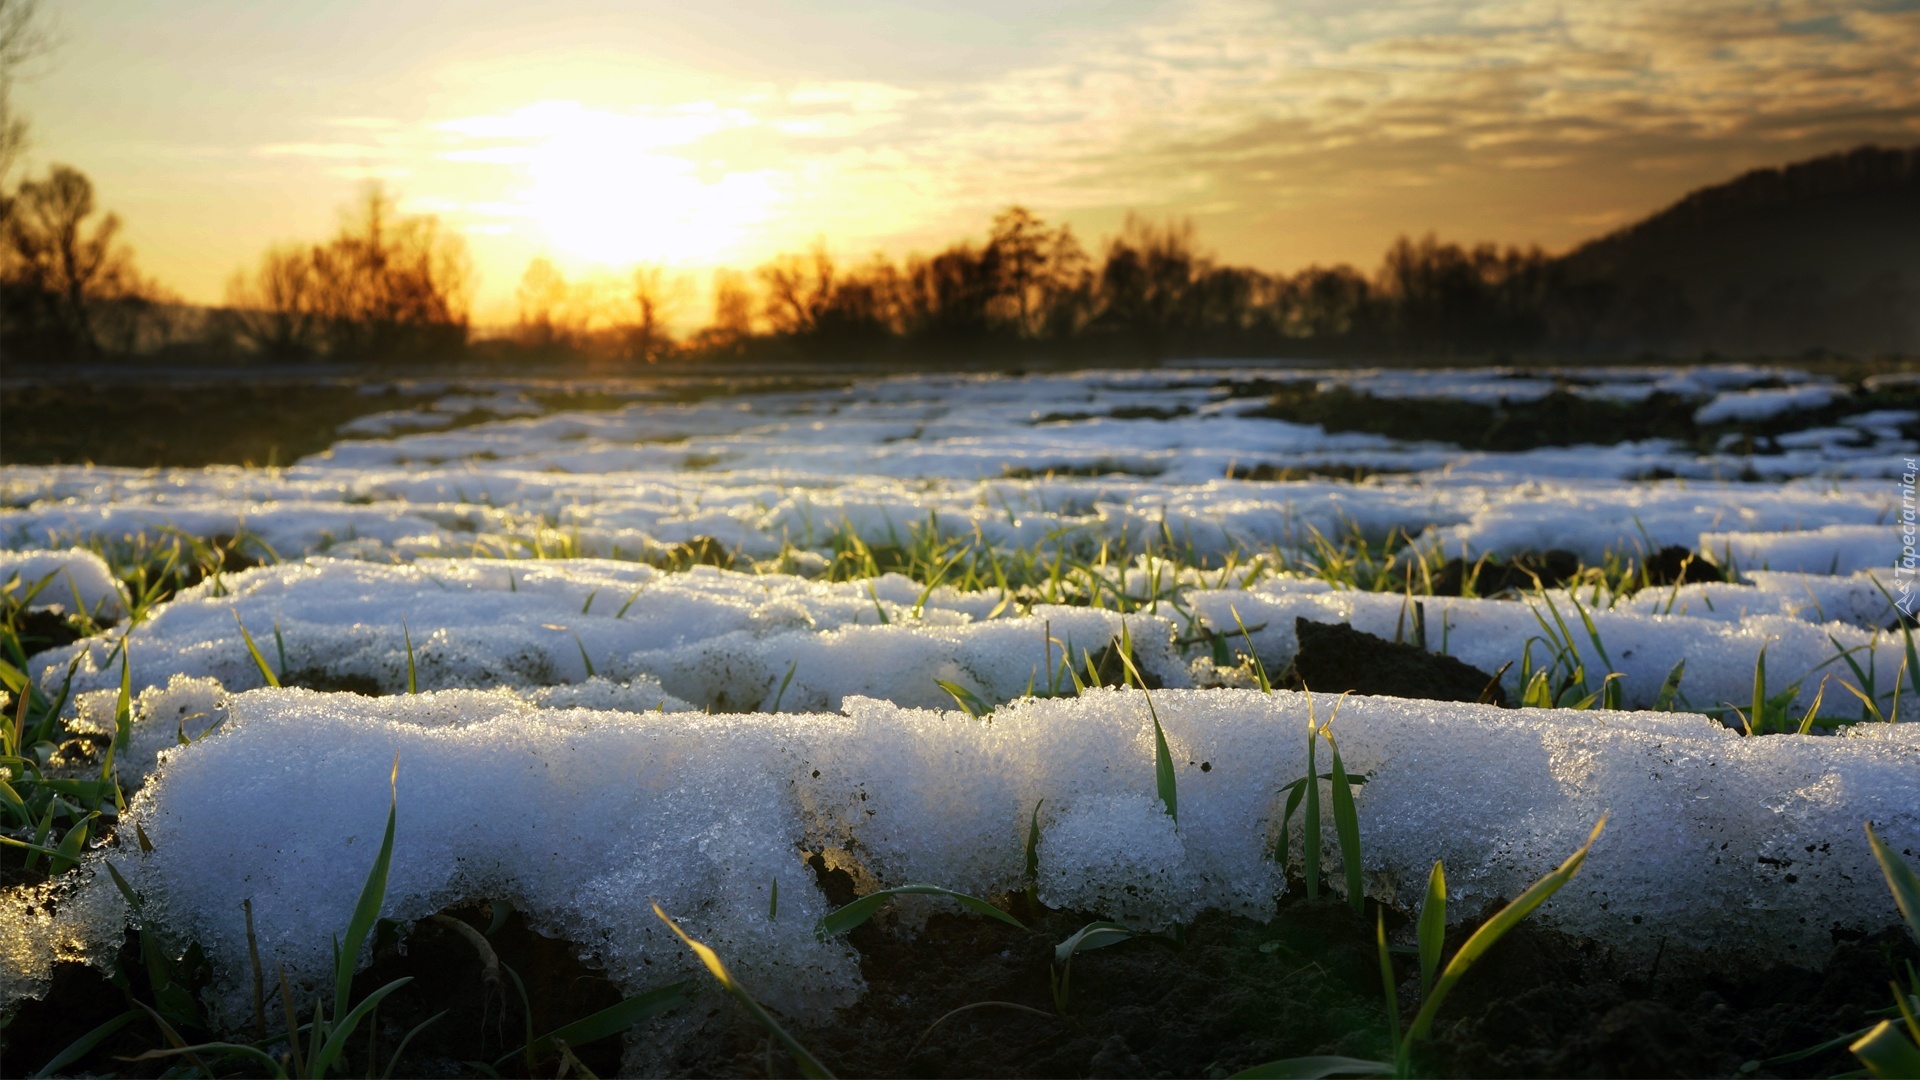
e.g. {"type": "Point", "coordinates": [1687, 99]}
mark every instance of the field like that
{"type": "Point", "coordinates": [1101, 723]}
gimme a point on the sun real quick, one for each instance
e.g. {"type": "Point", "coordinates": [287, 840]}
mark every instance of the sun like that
{"type": "Point", "coordinates": [611, 188]}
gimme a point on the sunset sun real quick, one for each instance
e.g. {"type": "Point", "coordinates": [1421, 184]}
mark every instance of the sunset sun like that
{"type": "Point", "coordinates": [621, 188]}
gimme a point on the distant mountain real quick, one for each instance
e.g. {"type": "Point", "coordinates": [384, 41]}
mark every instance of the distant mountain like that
{"type": "Point", "coordinates": [1819, 255]}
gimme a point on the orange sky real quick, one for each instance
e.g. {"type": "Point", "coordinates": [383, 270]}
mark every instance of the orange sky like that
{"type": "Point", "coordinates": [602, 134]}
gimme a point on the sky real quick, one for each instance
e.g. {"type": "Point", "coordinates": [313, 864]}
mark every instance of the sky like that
{"type": "Point", "coordinates": [603, 134]}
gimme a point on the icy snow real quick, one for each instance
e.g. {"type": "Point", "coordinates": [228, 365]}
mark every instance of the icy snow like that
{"type": "Point", "coordinates": [1741, 848]}
{"type": "Point", "coordinates": [1746, 406]}
{"type": "Point", "coordinates": [76, 580]}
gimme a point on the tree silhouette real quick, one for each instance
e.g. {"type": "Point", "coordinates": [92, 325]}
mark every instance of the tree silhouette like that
{"type": "Point", "coordinates": [386, 285]}
{"type": "Point", "coordinates": [62, 265]}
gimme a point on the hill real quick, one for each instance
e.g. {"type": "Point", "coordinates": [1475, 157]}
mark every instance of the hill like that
{"type": "Point", "coordinates": [1823, 254]}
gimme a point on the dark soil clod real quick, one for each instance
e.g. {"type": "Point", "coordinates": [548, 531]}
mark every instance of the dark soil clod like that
{"type": "Point", "coordinates": [1525, 572]}
{"type": "Point", "coordinates": [1676, 565]}
{"type": "Point", "coordinates": [1335, 658]}
{"type": "Point", "coordinates": [699, 551]}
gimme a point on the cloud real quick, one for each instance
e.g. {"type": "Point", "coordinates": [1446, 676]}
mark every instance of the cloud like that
{"type": "Point", "coordinates": [1319, 126]}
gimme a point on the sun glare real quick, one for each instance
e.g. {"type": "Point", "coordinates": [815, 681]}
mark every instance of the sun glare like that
{"type": "Point", "coordinates": [620, 189]}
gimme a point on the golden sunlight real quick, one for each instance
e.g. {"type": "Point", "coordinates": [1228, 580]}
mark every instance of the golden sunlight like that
{"type": "Point", "coordinates": [621, 188]}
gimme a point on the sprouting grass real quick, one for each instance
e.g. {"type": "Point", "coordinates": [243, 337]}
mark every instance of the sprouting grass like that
{"type": "Point", "coordinates": [1890, 1049]}
{"type": "Point", "coordinates": [1346, 817]}
{"type": "Point", "coordinates": [803, 1058]}
{"type": "Point", "coordinates": [1433, 992]}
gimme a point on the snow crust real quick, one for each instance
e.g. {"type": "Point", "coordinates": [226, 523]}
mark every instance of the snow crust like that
{"type": "Point", "coordinates": [1640, 639]}
{"type": "Point", "coordinates": [718, 639]}
{"type": "Point", "coordinates": [1742, 848]}
{"type": "Point", "coordinates": [81, 582]}
{"type": "Point", "coordinates": [1745, 406]}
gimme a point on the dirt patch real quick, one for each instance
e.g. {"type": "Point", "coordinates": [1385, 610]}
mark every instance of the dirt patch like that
{"type": "Point", "coordinates": [1266, 471]}
{"type": "Point", "coordinates": [699, 551]}
{"type": "Point", "coordinates": [1558, 419]}
{"type": "Point", "coordinates": [1231, 994]}
{"type": "Point", "coordinates": [1676, 565]}
{"type": "Point", "coordinates": [1124, 412]}
{"type": "Point", "coordinates": [1239, 993]}
{"type": "Point", "coordinates": [482, 1020]}
{"type": "Point", "coordinates": [1101, 467]}
{"type": "Point", "coordinates": [1526, 571]}
{"type": "Point", "coordinates": [1335, 658]}
{"type": "Point", "coordinates": [141, 423]}
{"type": "Point", "coordinates": [41, 629]}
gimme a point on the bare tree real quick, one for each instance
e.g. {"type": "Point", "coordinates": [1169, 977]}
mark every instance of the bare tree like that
{"type": "Point", "coordinates": [21, 39]}
{"type": "Point", "coordinates": [654, 296]}
{"type": "Point", "coordinates": [799, 288]}
{"type": "Point", "coordinates": [732, 323]}
{"type": "Point", "coordinates": [385, 284]}
{"type": "Point", "coordinates": [546, 315]}
{"type": "Point", "coordinates": [277, 310]}
{"type": "Point", "coordinates": [63, 265]}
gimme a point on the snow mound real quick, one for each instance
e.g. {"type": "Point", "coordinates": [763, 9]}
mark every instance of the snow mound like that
{"type": "Point", "coordinates": [1748, 850]}
{"type": "Point", "coordinates": [1641, 645]}
{"type": "Point", "coordinates": [1833, 549]}
{"type": "Point", "coordinates": [77, 581]}
{"type": "Point", "coordinates": [580, 819]}
{"type": "Point", "coordinates": [715, 638]}
{"type": "Point", "coordinates": [1747, 406]}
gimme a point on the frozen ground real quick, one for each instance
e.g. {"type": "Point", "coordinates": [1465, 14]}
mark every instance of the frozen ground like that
{"type": "Point", "coordinates": [692, 726]}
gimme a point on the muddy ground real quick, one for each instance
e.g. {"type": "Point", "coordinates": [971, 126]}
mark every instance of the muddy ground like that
{"type": "Point", "coordinates": [1234, 994]}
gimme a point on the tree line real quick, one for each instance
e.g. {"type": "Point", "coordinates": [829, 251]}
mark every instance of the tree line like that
{"type": "Point", "coordinates": [392, 286]}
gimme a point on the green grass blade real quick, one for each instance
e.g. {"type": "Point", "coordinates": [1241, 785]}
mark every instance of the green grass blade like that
{"type": "Point", "coordinates": [1164, 781]}
{"type": "Point", "coordinates": [1539, 692]}
{"type": "Point", "coordinates": [1670, 687]}
{"type": "Point", "coordinates": [631, 597]}
{"type": "Point", "coordinates": [1033, 854]}
{"type": "Point", "coordinates": [1871, 706]}
{"type": "Point", "coordinates": [68, 854]}
{"type": "Point", "coordinates": [122, 728]}
{"type": "Point", "coordinates": [1593, 633]}
{"type": "Point", "coordinates": [337, 1036]}
{"type": "Point", "coordinates": [1813, 711]}
{"type": "Point", "coordinates": [781, 696]}
{"type": "Point", "coordinates": [1295, 792]}
{"type": "Point", "coordinates": [1886, 1052]}
{"type": "Point", "coordinates": [1094, 935]}
{"type": "Point", "coordinates": [254, 651]}
{"type": "Point", "coordinates": [1433, 926]}
{"type": "Point", "coordinates": [968, 701]}
{"type": "Point", "coordinates": [84, 1045]}
{"type": "Point", "coordinates": [609, 1021]}
{"type": "Point", "coordinates": [372, 894]}
{"type": "Point", "coordinates": [1310, 833]}
{"type": "Point", "coordinates": [809, 1065]}
{"type": "Point", "coordinates": [269, 1066]}
{"type": "Point", "coordinates": [400, 1050]}
{"type": "Point", "coordinates": [843, 919]}
{"type": "Point", "coordinates": [1346, 828]}
{"type": "Point", "coordinates": [1259, 668]}
{"type": "Point", "coordinates": [413, 684]}
{"type": "Point", "coordinates": [1756, 720]}
{"type": "Point", "coordinates": [1901, 879]}
{"type": "Point", "coordinates": [1493, 929]}
{"type": "Point", "coordinates": [1387, 984]}
{"type": "Point", "coordinates": [585, 660]}
{"type": "Point", "coordinates": [1315, 1068]}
